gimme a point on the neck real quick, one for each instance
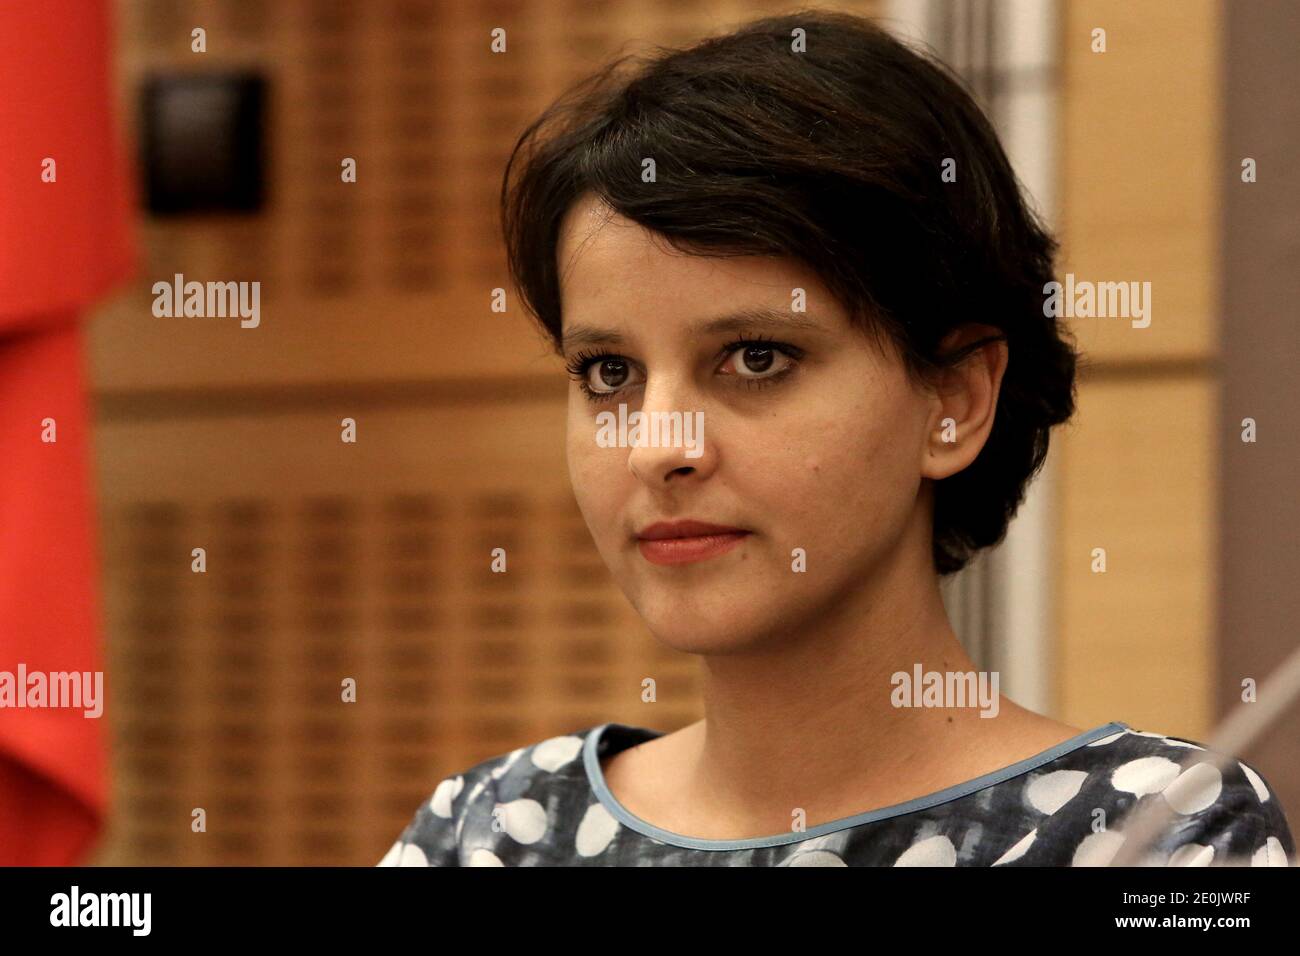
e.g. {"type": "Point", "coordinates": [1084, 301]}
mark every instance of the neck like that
{"type": "Point", "coordinates": [810, 717]}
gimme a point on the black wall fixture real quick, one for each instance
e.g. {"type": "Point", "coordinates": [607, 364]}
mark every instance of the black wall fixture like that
{"type": "Point", "coordinates": [202, 138]}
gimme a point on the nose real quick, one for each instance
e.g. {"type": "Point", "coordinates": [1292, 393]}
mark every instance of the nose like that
{"type": "Point", "coordinates": [671, 443]}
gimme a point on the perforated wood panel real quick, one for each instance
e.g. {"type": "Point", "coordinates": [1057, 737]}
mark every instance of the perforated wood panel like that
{"type": "Point", "coordinates": [328, 561]}
{"type": "Point", "coordinates": [352, 274]}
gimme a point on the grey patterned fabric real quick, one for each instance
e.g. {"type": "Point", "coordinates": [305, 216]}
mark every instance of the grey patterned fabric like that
{"type": "Point", "coordinates": [1062, 807]}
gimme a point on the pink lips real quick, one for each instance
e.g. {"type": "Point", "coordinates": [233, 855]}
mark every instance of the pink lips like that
{"type": "Point", "coordinates": [681, 542]}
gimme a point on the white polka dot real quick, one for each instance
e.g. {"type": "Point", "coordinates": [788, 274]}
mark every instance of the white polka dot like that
{"type": "Point", "coordinates": [1051, 791]}
{"type": "Point", "coordinates": [815, 858]}
{"type": "Point", "coordinates": [391, 857]}
{"type": "Point", "coordinates": [934, 851]}
{"type": "Point", "coordinates": [595, 831]}
{"type": "Point", "coordinates": [1182, 743]}
{"type": "Point", "coordinates": [1256, 781]}
{"type": "Point", "coordinates": [1146, 733]}
{"type": "Point", "coordinates": [1193, 854]}
{"type": "Point", "coordinates": [1144, 775]}
{"type": "Point", "coordinates": [1272, 853]}
{"type": "Point", "coordinates": [483, 857]}
{"type": "Point", "coordinates": [1195, 788]}
{"type": "Point", "coordinates": [444, 794]}
{"type": "Point", "coordinates": [412, 855]}
{"type": "Point", "coordinates": [554, 753]}
{"type": "Point", "coordinates": [1108, 739]}
{"type": "Point", "coordinates": [1019, 850]}
{"type": "Point", "coordinates": [1097, 849]}
{"type": "Point", "coordinates": [524, 820]}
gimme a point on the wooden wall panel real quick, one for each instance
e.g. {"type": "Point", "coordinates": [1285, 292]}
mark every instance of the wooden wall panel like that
{"type": "Point", "coordinates": [1139, 168]}
{"type": "Point", "coordinates": [1137, 476]}
{"type": "Point", "coordinates": [328, 560]}
{"type": "Point", "coordinates": [1139, 467]}
{"type": "Point", "coordinates": [390, 277]}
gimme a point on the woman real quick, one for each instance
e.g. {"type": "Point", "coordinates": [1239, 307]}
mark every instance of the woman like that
{"type": "Point", "coordinates": [799, 252]}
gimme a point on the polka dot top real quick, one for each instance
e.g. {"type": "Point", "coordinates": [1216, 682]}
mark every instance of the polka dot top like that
{"type": "Point", "coordinates": [1062, 807]}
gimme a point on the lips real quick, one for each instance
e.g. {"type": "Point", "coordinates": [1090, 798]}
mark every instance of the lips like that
{"type": "Point", "coordinates": [662, 530]}
{"type": "Point", "coordinates": [683, 542]}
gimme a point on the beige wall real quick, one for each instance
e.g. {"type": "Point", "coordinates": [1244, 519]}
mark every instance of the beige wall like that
{"type": "Point", "coordinates": [1139, 186]}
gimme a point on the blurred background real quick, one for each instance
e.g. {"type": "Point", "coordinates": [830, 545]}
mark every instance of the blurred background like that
{"type": "Point", "coordinates": [329, 560]}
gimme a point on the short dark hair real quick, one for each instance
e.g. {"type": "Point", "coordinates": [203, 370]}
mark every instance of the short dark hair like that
{"type": "Point", "coordinates": [833, 157]}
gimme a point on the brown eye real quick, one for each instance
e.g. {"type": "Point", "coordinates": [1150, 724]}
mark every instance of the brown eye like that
{"type": "Point", "coordinates": [607, 375]}
{"type": "Point", "coordinates": [757, 361]}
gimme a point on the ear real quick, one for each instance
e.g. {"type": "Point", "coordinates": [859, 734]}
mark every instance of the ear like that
{"type": "Point", "coordinates": [964, 400]}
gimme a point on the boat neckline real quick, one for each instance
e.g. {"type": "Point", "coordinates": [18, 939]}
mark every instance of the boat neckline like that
{"type": "Point", "coordinates": [596, 778]}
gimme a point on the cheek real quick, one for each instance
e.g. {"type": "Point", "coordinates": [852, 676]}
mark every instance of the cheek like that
{"type": "Point", "coordinates": [592, 470]}
{"type": "Point", "coordinates": [846, 475]}
{"type": "Point", "coordinates": [876, 454]}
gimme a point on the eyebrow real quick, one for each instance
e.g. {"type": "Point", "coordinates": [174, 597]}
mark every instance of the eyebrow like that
{"type": "Point", "coordinates": [757, 319]}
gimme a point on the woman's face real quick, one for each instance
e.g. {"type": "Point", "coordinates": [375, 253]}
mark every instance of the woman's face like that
{"type": "Point", "coordinates": [811, 438]}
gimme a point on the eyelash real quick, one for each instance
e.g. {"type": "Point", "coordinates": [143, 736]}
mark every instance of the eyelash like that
{"type": "Point", "coordinates": [579, 365]}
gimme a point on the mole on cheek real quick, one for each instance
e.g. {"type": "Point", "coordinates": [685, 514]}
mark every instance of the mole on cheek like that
{"type": "Point", "coordinates": [813, 465]}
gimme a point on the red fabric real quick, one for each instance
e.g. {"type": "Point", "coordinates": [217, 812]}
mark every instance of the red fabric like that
{"type": "Point", "coordinates": [62, 245]}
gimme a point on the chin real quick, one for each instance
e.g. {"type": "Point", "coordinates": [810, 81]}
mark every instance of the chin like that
{"type": "Point", "coordinates": [693, 639]}
{"type": "Point", "coordinates": [707, 623]}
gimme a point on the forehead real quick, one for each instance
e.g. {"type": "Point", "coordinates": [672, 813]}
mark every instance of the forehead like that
{"type": "Point", "coordinates": [613, 269]}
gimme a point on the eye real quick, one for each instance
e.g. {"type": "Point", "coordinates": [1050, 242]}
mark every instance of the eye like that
{"type": "Point", "coordinates": [608, 374]}
{"type": "Point", "coordinates": [601, 375]}
{"type": "Point", "coordinates": [757, 360]}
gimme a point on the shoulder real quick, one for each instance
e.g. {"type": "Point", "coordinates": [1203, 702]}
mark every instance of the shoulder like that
{"type": "Point", "coordinates": [486, 801]}
{"type": "Point", "coordinates": [1217, 810]}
